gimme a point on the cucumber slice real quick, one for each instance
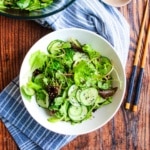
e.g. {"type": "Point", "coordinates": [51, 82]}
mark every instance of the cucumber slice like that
{"type": "Point", "coordinates": [77, 113]}
{"type": "Point", "coordinates": [54, 47]}
{"type": "Point", "coordinates": [73, 101]}
{"type": "Point", "coordinates": [27, 90]}
{"type": "Point", "coordinates": [72, 95]}
{"type": "Point", "coordinates": [78, 95]}
{"type": "Point", "coordinates": [88, 96]}
{"type": "Point", "coordinates": [72, 89]}
{"type": "Point", "coordinates": [42, 98]}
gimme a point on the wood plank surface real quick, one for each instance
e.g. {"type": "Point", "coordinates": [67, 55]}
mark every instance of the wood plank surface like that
{"type": "Point", "coordinates": [127, 130]}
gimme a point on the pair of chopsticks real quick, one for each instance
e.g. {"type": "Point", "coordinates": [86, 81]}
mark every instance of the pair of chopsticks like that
{"type": "Point", "coordinates": [133, 75]}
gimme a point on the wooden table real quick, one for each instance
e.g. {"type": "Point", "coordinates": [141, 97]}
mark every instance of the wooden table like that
{"type": "Point", "coordinates": [126, 131]}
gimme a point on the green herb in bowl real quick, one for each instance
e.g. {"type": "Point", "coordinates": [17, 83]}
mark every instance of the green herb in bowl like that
{"type": "Point", "coordinates": [71, 81]}
{"type": "Point", "coordinates": [29, 5]}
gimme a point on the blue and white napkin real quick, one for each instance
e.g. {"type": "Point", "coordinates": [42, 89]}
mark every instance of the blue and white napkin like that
{"type": "Point", "coordinates": [87, 14]}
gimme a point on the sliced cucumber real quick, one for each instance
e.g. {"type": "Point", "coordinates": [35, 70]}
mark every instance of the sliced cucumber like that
{"type": "Point", "coordinates": [54, 47]}
{"type": "Point", "coordinates": [88, 96]}
{"type": "Point", "coordinates": [78, 95]}
{"type": "Point", "coordinates": [27, 90]}
{"type": "Point", "coordinates": [73, 101]}
{"type": "Point", "coordinates": [42, 98]}
{"type": "Point", "coordinates": [72, 89]}
{"type": "Point", "coordinates": [77, 113]}
{"type": "Point", "coordinates": [72, 95]}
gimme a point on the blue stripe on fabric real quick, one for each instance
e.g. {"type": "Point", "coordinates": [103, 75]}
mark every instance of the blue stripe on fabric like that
{"type": "Point", "coordinates": [31, 132]}
{"type": "Point", "coordinates": [20, 138]}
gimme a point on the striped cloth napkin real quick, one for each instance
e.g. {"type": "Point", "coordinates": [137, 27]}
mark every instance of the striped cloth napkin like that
{"type": "Point", "coordinates": [87, 14]}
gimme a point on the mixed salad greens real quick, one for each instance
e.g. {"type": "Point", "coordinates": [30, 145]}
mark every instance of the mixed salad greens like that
{"type": "Point", "coordinates": [29, 5]}
{"type": "Point", "coordinates": [71, 81]}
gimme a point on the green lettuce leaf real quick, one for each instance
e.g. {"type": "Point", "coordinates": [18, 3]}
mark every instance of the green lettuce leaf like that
{"type": "Point", "coordinates": [38, 60]}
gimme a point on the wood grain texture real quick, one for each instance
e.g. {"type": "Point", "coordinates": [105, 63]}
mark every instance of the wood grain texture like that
{"type": "Point", "coordinates": [127, 130]}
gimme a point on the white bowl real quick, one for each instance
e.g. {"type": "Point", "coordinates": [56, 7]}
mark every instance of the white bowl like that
{"type": "Point", "coordinates": [103, 114]}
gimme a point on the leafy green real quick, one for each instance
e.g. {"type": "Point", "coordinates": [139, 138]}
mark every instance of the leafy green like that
{"type": "Point", "coordinates": [38, 60]}
{"type": "Point", "coordinates": [60, 76]}
{"type": "Point", "coordinates": [90, 51]}
{"type": "Point", "coordinates": [22, 4]}
{"type": "Point", "coordinates": [34, 86]}
{"type": "Point", "coordinates": [83, 72]}
{"type": "Point", "coordinates": [28, 5]}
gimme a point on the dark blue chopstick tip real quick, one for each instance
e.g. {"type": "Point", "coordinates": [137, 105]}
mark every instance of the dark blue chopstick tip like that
{"type": "Point", "coordinates": [131, 85]}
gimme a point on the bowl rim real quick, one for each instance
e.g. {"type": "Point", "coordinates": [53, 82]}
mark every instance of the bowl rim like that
{"type": "Point", "coordinates": [123, 89]}
{"type": "Point", "coordinates": [37, 17]}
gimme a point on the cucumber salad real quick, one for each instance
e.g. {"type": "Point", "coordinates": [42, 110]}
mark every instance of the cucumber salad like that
{"type": "Point", "coordinates": [71, 80]}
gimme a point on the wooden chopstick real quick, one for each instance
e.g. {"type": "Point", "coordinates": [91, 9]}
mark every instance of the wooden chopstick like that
{"type": "Point", "coordinates": [139, 82]}
{"type": "Point", "coordinates": [134, 69]}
